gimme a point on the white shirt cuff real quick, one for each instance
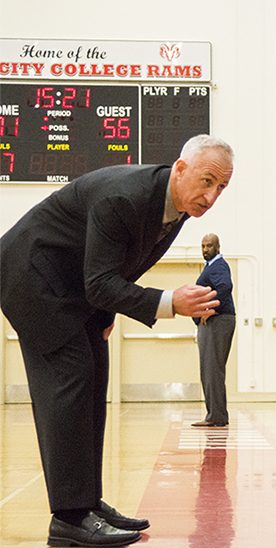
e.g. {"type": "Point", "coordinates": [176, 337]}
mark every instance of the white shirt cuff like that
{"type": "Point", "coordinates": [165, 307]}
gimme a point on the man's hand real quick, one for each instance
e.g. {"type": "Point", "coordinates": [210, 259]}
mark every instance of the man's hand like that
{"type": "Point", "coordinates": [107, 331]}
{"type": "Point", "coordinates": [195, 300]}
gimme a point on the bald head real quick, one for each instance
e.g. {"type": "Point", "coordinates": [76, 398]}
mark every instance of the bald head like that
{"type": "Point", "coordinates": [210, 246]}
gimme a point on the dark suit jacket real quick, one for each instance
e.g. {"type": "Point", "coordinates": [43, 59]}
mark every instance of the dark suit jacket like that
{"type": "Point", "coordinates": [79, 251]}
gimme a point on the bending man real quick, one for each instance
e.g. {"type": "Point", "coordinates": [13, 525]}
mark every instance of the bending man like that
{"type": "Point", "coordinates": [68, 266]}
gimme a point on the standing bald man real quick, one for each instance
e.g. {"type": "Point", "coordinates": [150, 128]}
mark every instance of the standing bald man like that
{"type": "Point", "coordinates": [68, 266]}
{"type": "Point", "coordinates": [215, 334]}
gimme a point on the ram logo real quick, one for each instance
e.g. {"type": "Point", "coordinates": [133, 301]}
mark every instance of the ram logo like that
{"type": "Point", "coordinates": [169, 52]}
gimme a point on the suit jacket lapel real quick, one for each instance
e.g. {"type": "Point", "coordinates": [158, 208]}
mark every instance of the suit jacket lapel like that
{"type": "Point", "coordinates": [157, 250]}
{"type": "Point", "coordinates": [156, 209]}
{"type": "Point", "coordinates": [151, 223]}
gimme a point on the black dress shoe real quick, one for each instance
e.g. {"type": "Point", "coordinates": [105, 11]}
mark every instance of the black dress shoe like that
{"type": "Point", "coordinates": [113, 517]}
{"type": "Point", "coordinates": [209, 424]}
{"type": "Point", "coordinates": [93, 532]}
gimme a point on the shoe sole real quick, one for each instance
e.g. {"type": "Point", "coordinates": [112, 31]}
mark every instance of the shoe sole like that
{"type": "Point", "coordinates": [209, 425]}
{"type": "Point", "coordinates": [131, 528]}
{"type": "Point", "coordinates": [67, 542]}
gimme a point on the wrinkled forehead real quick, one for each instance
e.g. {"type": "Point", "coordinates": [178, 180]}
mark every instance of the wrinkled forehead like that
{"type": "Point", "coordinates": [216, 161]}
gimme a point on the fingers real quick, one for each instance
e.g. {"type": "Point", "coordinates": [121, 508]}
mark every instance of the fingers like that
{"type": "Point", "coordinates": [195, 301]}
{"type": "Point", "coordinates": [206, 313]}
{"type": "Point", "coordinates": [204, 293]}
{"type": "Point", "coordinates": [206, 308]}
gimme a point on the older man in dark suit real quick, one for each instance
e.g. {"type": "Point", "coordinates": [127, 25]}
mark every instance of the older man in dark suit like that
{"type": "Point", "coordinates": [68, 266]}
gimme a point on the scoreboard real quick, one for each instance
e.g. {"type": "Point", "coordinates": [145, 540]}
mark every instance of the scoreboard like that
{"type": "Point", "coordinates": [52, 133]}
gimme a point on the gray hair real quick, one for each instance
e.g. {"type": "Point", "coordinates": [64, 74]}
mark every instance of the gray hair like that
{"type": "Point", "coordinates": [202, 142]}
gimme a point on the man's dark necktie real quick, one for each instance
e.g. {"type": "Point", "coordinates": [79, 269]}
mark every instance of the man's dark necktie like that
{"type": "Point", "coordinates": [166, 228]}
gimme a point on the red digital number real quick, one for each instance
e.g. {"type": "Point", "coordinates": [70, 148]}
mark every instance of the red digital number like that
{"type": "Point", "coordinates": [9, 127]}
{"type": "Point", "coordinates": [70, 96]}
{"type": "Point", "coordinates": [117, 128]}
{"type": "Point", "coordinates": [44, 99]}
{"type": "Point", "coordinates": [123, 130]}
{"type": "Point", "coordinates": [10, 156]}
{"type": "Point", "coordinates": [86, 99]}
{"type": "Point", "coordinates": [110, 128]}
{"type": "Point", "coordinates": [69, 100]}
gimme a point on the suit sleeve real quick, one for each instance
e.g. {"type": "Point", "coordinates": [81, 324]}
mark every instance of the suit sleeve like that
{"type": "Point", "coordinates": [109, 234]}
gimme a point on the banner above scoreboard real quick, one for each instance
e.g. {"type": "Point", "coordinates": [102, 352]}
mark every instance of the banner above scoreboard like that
{"type": "Point", "coordinates": [31, 59]}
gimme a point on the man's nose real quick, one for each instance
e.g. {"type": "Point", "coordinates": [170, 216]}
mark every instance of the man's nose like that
{"type": "Point", "coordinates": [211, 196]}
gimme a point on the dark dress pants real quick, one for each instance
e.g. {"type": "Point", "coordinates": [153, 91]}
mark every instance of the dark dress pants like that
{"type": "Point", "coordinates": [68, 391]}
{"type": "Point", "coordinates": [214, 342]}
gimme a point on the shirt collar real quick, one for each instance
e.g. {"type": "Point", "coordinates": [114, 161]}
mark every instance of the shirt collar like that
{"type": "Point", "coordinates": [170, 211]}
{"type": "Point", "coordinates": [218, 256]}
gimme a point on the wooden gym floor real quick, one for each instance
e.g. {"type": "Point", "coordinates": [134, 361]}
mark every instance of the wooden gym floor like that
{"type": "Point", "coordinates": [200, 488]}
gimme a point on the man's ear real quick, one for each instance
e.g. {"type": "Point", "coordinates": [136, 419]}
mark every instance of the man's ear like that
{"type": "Point", "coordinates": [180, 166]}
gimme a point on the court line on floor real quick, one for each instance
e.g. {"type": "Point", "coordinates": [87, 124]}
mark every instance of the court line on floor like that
{"type": "Point", "coordinates": [20, 489]}
{"type": "Point", "coordinates": [228, 438]}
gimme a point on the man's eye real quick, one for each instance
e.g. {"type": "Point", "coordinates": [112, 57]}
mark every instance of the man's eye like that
{"type": "Point", "coordinates": [207, 181]}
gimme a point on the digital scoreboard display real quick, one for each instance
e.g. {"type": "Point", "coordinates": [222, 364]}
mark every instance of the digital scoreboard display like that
{"type": "Point", "coordinates": [53, 133]}
{"type": "Point", "coordinates": [170, 116]}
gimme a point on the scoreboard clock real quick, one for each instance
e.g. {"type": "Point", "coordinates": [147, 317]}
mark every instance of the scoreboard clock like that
{"type": "Point", "coordinates": [52, 133]}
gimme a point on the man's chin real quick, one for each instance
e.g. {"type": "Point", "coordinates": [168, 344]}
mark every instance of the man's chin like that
{"type": "Point", "coordinates": [198, 212]}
